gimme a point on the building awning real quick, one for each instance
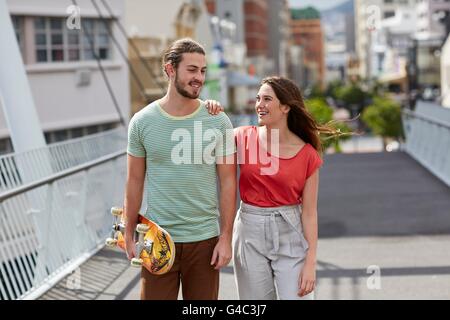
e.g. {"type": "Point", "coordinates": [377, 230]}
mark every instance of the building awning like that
{"type": "Point", "coordinates": [392, 77]}
{"type": "Point", "coordinates": [235, 79]}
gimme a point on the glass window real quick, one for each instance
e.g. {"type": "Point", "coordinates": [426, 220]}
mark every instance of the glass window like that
{"type": "Point", "coordinates": [73, 37]}
{"type": "Point", "coordinates": [56, 24]}
{"type": "Point", "coordinates": [57, 55]}
{"type": "Point", "coordinates": [41, 39]}
{"type": "Point", "coordinates": [18, 23]}
{"type": "Point", "coordinates": [60, 135]}
{"type": "Point", "coordinates": [388, 14]}
{"type": "Point", "coordinates": [39, 24]}
{"type": "Point", "coordinates": [54, 42]}
{"type": "Point", "coordinates": [41, 55]}
{"type": "Point", "coordinates": [57, 39]}
{"type": "Point", "coordinates": [77, 132]}
{"type": "Point", "coordinates": [74, 54]}
{"type": "Point", "coordinates": [96, 35]}
{"type": "Point", "coordinates": [92, 129]}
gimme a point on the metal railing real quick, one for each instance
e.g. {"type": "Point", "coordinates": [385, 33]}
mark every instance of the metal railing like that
{"type": "Point", "coordinates": [19, 168]}
{"type": "Point", "coordinates": [428, 141]}
{"type": "Point", "coordinates": [50, 226]}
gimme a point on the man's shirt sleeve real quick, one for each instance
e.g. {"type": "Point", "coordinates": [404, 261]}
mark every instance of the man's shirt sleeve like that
{"type": "Point", "coordinates": [135, 145]}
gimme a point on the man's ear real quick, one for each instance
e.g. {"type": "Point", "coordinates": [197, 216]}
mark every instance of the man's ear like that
{"type": "Point", "coordinates": [170, 71]}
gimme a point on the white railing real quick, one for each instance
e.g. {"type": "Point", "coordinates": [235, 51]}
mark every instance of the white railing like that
{"type": "Point", "coordinates": [51, 222]}
{"type": "Point", "coordinates": [19, 168]}
{"type": "Point", "coordinates": [428, 141]}
{"type": "Point", "coordinates": [50, 226]}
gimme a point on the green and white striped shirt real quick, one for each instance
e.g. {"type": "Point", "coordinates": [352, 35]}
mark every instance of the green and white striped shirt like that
{"type": "Point", "coordinates": [180, 152]}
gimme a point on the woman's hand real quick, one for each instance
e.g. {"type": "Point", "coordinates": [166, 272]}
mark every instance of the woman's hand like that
{"type": "Point", "coordinates": [307, 279]}
{"type": "Point", "coordinates": [214, 107]}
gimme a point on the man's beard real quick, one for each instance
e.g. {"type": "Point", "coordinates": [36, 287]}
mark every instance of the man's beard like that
{"type": "Point", "coordinates": [183, 92]}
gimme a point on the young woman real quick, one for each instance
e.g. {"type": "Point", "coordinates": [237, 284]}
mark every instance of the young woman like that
{"type": "Point", "coordinates": [276, 231]}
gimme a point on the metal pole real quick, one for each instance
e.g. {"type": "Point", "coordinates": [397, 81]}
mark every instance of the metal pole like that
{"type": "Point", "coordinates": [16, 98]}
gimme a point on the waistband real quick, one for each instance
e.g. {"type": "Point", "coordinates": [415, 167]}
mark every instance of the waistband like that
{"type": "Point", "coordinates": [248, 208]}
{"type": "Point", "coordinates": [286, 213]}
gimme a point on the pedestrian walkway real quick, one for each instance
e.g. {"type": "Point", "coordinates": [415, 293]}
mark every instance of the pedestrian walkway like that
{"type": "Point", "coordinates": [379, 214]}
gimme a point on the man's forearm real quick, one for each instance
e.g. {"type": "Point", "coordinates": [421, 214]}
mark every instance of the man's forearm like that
{"type": "Point", "coordinates": [132, 204]}
{"type": "Point", "coordinates": [227, 207]}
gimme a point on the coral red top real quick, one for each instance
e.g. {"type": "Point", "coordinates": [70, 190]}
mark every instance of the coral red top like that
{"type": "Point", "coordinates": [269, 181]}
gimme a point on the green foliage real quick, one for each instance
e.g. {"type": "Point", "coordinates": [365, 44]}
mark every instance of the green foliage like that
{"type": "Point", "coordinates": [305, 14]}
{"type": "Point", "coordinates": [323, 114]}
{"type": "Point", "coordinates": [333, 88]}
{"type": "Point", "coordinates": [315, 92]}
{"type": "Point", "coordinates": [320, 110]}
{"type": "Point", "coordinates": [351, 95]}
{"type": "Point", "coordinates": [383, 117]}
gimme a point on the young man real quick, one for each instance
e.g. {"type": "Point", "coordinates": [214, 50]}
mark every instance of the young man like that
{"type": "Point", "coordinates": [180, 148]}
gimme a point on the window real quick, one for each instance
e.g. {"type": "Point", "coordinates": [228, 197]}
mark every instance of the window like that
{"type": "Point", "coordinates": [56, 39]}
{"type": "Point", "coordinates": [18, 23]}
{"type": "Point", "coordinates": [102, 39]}
{"type": "Point", "coordinates": [60, 135]}
{"type": "Point", "coordinates": [95, 33]}
{"type": "Point", "coordinates": [40, 40]}
{"type": "Point", "coordinates": [389, 14]}
{"type": "Point", "coordinates": [92, 129]}
{"type": "Point", "coordinates": [77, 132]}
{"type": "Point", "coordinates": [6, 146]}
{"type": "Point", "coordinates": [54, 42]}
{"type": "Point", "coordinates": [73, 45]}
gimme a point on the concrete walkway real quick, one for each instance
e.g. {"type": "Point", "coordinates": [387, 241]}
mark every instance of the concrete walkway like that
{"type": "Point", "coordinates": [379, 214]}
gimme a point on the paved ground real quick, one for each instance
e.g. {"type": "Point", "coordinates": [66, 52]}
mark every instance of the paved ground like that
{"type": "Point", "coordinates": [379, 214]}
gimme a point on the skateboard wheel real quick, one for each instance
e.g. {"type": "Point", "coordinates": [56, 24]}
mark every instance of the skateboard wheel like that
{"type": "Point", "coordinates": [135, 262]}
{"type": "Point", "coordinates": [116, 211]}
{"type": "Point", "coordinates": [142, 228]}
{"type": "Point", "coordinates": [110, 242]}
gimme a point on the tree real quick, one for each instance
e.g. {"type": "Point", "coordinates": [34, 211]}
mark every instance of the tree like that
{"type": "Point", "coordinates": [351, 95]}
{"type": "Point", "coordinates": [323, 114]}
{"type": "Point", "coordinates": [384, 118]}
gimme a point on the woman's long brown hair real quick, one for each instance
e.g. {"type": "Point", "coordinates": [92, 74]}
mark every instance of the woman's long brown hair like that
{"type": "Point", "coordinates": [300, 121]}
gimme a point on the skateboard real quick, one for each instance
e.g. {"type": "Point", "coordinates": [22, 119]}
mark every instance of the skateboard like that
{"type": "Point", "coordinates": [155, 249]}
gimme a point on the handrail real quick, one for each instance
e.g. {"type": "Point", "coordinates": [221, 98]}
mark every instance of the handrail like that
{"type": "Point", "coordinates": [11, 193]}
{"type": "Point", "coordinates": [427, 118]}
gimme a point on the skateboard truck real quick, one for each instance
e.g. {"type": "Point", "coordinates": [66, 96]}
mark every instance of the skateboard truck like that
{"type": "Point", "coordinates": [116, 227]}
{"type": "Point", "coordinates": [141, 245]}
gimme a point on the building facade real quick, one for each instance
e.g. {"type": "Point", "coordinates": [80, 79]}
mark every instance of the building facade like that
{"type": "Point", "coordinates": [279, 37]}
{"type": "Point", "coordinates": [307, 32]}
{"type": "Point", "coordinates": [368, 15]}
{"type": "Point", "coordinates": [445, 74]}
{"type": "Point", "coordinates": [68, 90]}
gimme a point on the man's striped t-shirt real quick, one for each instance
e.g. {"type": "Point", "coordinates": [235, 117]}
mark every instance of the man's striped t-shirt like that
{"type": "Point", "coordinates": [181, 154]}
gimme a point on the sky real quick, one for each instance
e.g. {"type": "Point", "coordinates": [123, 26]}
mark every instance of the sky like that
{"type": "Point", "coordinates": [318, 4]}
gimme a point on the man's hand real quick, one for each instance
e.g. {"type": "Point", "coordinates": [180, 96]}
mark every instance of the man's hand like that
{"type": "Point", "coordinates": [214, 107]}
{"type": "Point", "coordinates": [222, 253]}
{"type": "Point", "coordinates": [130, 245]}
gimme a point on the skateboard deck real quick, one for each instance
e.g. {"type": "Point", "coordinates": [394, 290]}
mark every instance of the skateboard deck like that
{"type": "Point", "coordinates": [155, 249]}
